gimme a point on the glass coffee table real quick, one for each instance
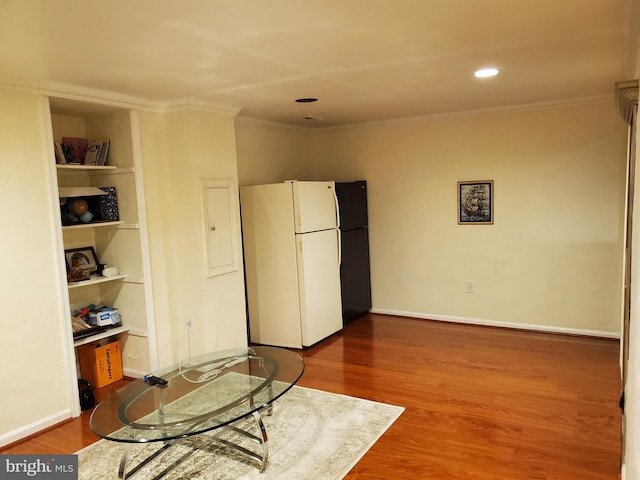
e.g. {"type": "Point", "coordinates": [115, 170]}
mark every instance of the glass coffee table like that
{"type": "Point", "coordinates": [209, 396]}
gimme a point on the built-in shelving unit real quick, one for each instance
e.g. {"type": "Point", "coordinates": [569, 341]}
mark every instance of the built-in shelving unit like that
{"type": "Point", "coordinates": [118, 243]}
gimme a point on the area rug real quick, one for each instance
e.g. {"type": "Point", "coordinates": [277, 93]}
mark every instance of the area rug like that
{"type": "Point", "coordinates": [311, 435]}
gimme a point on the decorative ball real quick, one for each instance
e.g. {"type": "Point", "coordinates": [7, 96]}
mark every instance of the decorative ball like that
{"type": "Point", "coordinates": [77, 206]}
{"type": "Point", "coordinates": [86, 217]}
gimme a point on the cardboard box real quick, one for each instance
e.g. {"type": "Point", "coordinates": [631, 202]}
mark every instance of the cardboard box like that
{"type": "Point", "coordinates": [100, 364]}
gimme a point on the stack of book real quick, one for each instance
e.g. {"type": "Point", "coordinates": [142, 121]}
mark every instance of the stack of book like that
{"type": "Point", "coordinates": [98, 152]}
{"type": "Point", "coordinates": [78, 151]}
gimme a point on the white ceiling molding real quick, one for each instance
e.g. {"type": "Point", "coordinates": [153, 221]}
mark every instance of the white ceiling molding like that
{"type": "Point", "coordinates": [113, 99]}
{"type": "Point", "coordinates": [624, 93]}
{"type": "Point", "coordinates": [81, 94]}
{"type": "Point", "coordinates": [197, 105]}
{"type": "Point", "coordinates": [626, 98]}
{"type": "Point", "coordinates": [280, 126]}
{"type": "Point", "coordinates": [479, 112]}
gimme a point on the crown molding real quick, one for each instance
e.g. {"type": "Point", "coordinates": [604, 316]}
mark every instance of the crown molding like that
{"type": "Point", "coordinates": [191, 104]}
{"type": "Point", "coordinates": [59, 90]}
{"type": "Point", "coordinates": [83, 94]}
{"type": "Point", "coordinates": [103, 97]}
{"type": "Point", "coordinates": [626, 99]}
{"type": "Point", "coordinates": [526, 107]}
{"type": "Point", "coordinates": [275, 125]}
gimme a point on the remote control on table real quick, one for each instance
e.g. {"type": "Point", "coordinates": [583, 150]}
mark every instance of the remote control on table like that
{"type": "Point", "coordinates": [153, 380]}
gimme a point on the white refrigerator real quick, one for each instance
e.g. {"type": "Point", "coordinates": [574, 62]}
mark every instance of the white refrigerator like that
{"type": "Point", "coordinates": [292, 262]}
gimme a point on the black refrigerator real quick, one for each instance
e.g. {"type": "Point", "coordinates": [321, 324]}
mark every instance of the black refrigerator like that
{"type": "Point", "coordinates": [355, 273]}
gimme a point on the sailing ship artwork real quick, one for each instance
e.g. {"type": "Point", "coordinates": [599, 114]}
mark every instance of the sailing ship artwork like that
{"type": "Point", "coordinates": [475, 202]}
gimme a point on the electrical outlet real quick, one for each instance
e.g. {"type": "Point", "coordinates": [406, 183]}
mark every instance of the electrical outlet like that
{"type": "Point", "coordinates": [471, 286]}
{"type": "Point", "coordinates": [191, 324]}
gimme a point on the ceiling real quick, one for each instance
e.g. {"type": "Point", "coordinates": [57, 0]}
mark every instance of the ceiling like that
{"type": "Point", "coordinates": [365, 60]}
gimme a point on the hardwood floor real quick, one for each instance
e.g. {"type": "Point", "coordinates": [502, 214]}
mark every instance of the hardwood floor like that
{"type": "Point", "coordinates": [481, 403]}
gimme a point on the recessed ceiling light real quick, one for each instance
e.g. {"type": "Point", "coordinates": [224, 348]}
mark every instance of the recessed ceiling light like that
{"type": "Point", "coordinates": [486, 72]}
{"type": "Point", "coordinates": [306, 100]}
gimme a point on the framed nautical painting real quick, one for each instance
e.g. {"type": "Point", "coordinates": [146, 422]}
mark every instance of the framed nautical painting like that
{"type": "Point", "coordinates": [475, 203]}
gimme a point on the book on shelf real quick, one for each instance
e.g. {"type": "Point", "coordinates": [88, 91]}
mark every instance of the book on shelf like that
{"type": "Point", "coordinates": [78, 148]}
{"type": "Point", "coordinates": [60, 158]}
{"type": "Point", "coordinates": [98, 152]}
{"type": "Point", "coordinates": [69, 155]}
{"type": "Point", "coordinates": [103, 159]}
{"type": "Point", "coordinates": [93, 153]}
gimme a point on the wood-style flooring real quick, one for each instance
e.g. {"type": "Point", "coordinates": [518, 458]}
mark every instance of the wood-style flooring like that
{"type": "Point", "coordinates": [481, 403]}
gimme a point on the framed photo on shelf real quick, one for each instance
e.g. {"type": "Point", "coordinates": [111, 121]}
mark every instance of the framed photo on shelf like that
{"type": "Point", "coordinates": [475, 202]}
{"type": "Point", "coordinates": [81, 260]}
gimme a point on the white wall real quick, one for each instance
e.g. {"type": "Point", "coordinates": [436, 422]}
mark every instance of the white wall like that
{"type": "Point", "coordinates": [179, 150]}
{"type": "Point", "coordinates": [553, 257]}
{"type": "Point", "coordinates": [269, 154]}
{"type": "Point", "coordinates": [34, 373]}
{"type": "Point", "coordinates": [552, 260]}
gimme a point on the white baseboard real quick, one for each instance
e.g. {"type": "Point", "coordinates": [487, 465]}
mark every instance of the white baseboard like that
{"type": "Point", "coordinates": [129, 372]}
{"type": "Point", "coordinates": [25, 431]}
{"type": "Point", "coordinates": [497, 323]}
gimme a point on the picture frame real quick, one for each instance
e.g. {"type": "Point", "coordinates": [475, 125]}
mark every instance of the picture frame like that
{"type": "Point", "coordinates": [82, 259]}
{"type": "Point", "coordinates": [475, 202]}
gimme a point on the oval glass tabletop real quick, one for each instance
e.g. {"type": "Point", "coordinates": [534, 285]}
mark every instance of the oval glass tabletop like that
{"type": "Point", "coordinates": [201, 394]}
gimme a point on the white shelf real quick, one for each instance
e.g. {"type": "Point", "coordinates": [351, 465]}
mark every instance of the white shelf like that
{"type": "Point", "coordinates": [138, 280]}
{"type": "Point", "coordinates": [92, 170]}
{"type": "Point", "coordinates": [95, 279]}
{"type": "Point", "coordinates": [80, 192]}
{"type": "Point", "coordinates": [92, 225]}
{"type": "Point", "coordinates": [99, 336]}
{"type": "Point", "coordinates": [117, 171]}
{"type": "Point", "coordinates": [137, 332]}
{"type": "Point", "coordinates": [84, 168]}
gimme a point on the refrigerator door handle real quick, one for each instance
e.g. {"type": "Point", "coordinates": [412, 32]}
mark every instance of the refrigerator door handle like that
{"type": "Point", "coordinates": [339, 248]}
{"type": "Point", "coordinates": [335, 199]}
